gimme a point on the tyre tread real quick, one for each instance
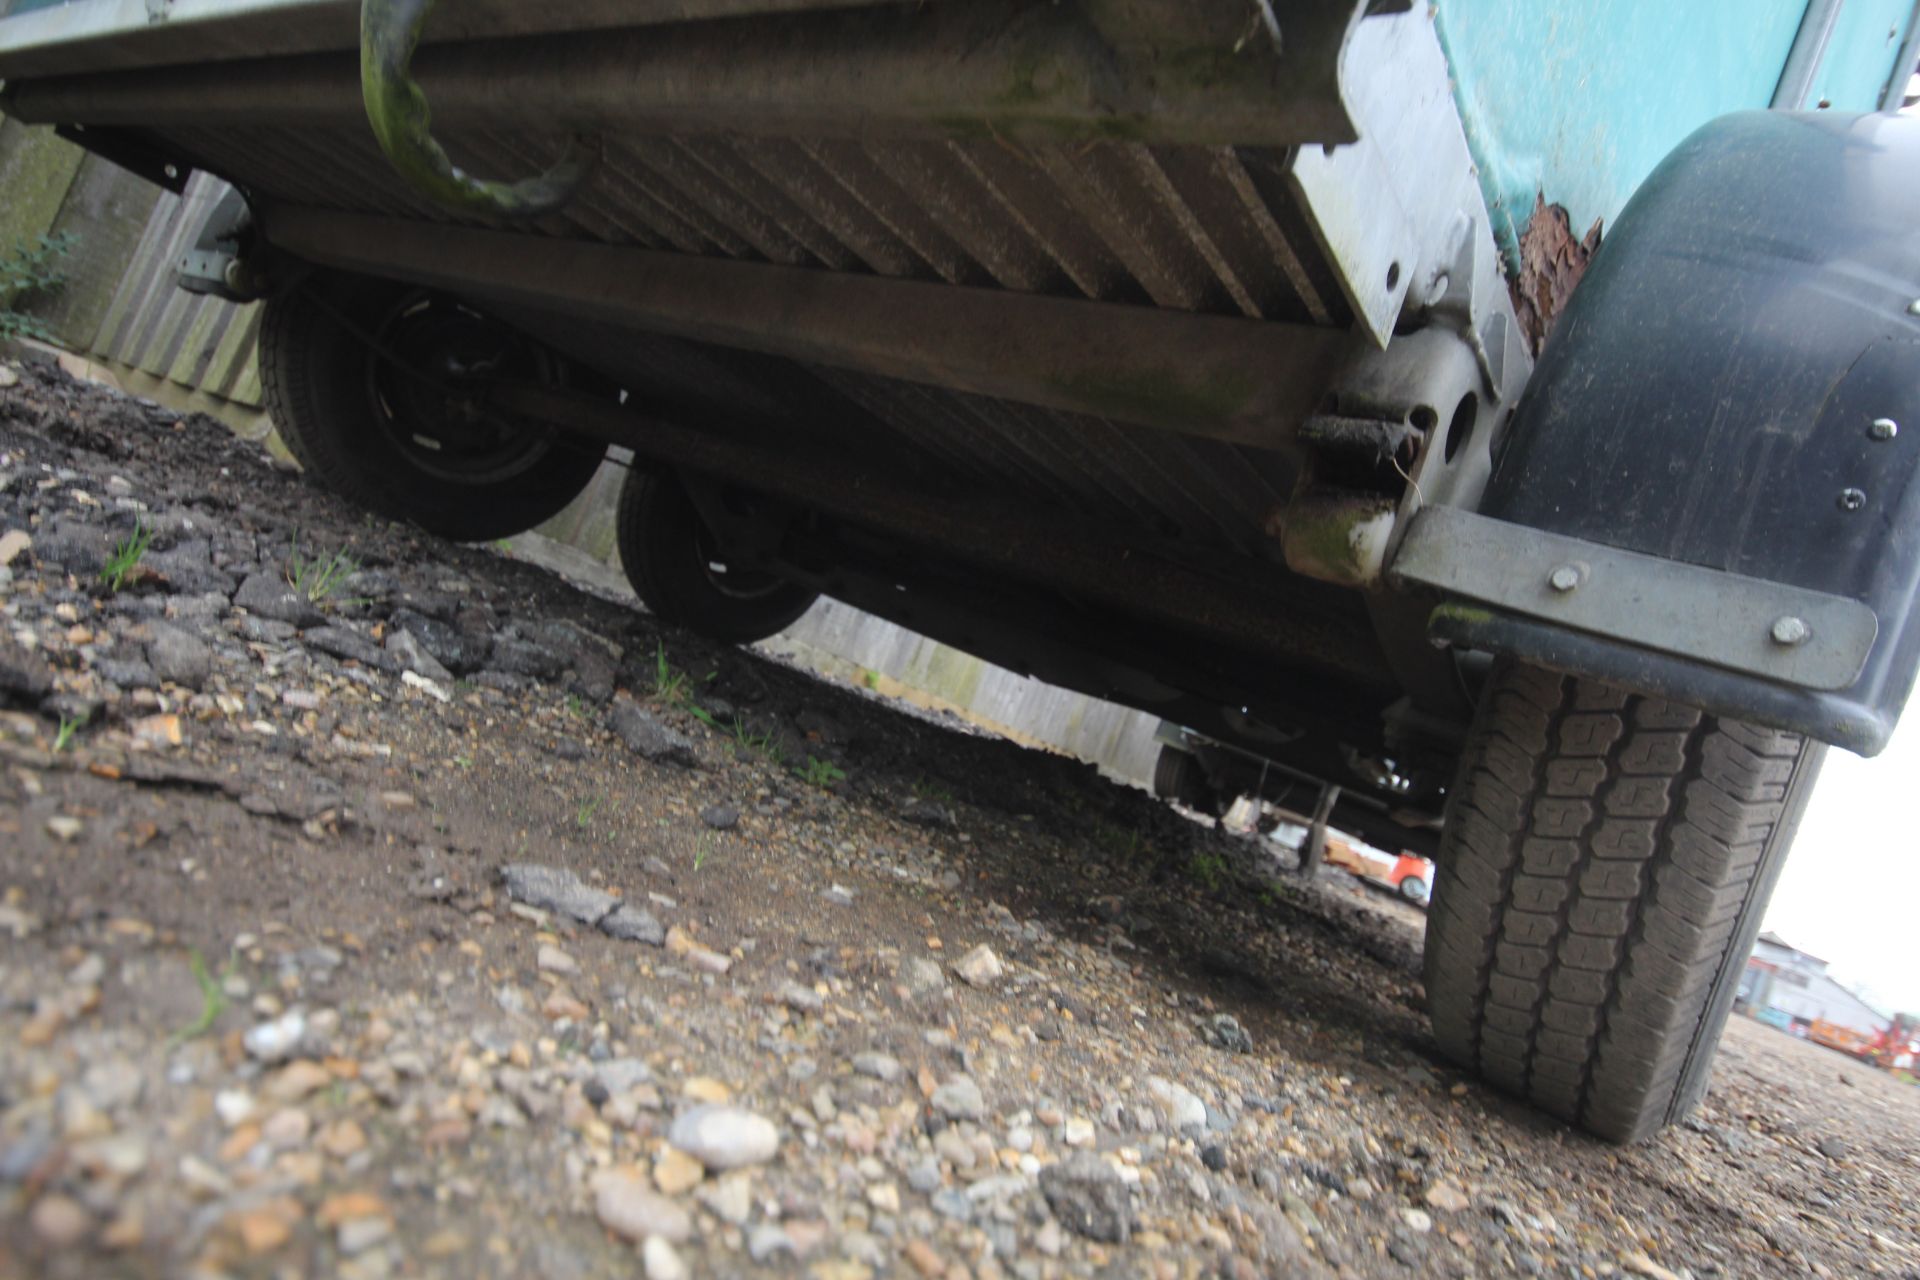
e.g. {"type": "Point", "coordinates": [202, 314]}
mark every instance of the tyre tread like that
{"type": "Point", "coordinates": [1605, 859]}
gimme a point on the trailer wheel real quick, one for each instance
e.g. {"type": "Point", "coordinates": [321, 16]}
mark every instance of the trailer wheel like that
{"type": "Point", "coordinates": [373, 388]}
{"type": "Point", "coordinates": [1602, 874]}
{"type": "Point", "coordinates": [671, 559]}
{"type": "Point", "coordinates": [1415, 889]}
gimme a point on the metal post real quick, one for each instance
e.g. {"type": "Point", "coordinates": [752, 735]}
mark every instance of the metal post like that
{"type": "Point", "coordinates": [1906, 62]}
{"type": "Point", "coordinates": [1808, 52]}
{"type": "Point", "coordinates": [1314, 851]}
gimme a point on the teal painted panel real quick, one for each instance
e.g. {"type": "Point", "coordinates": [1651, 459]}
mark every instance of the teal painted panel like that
{"type": "Point", "coordinates": [1859, 60]}
{"type": "Point", "coordinates": [1581, 101]}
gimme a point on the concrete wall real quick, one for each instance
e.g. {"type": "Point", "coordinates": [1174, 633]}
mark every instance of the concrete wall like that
{"type": "Point", "coordinates": [121, 310]}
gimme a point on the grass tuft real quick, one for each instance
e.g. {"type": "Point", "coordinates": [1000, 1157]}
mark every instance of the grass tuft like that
{"type": "Point", "coordinates": [63, 737]}
{"type": "Point", "coordinates": [126, 557]}
{"type": "Point", "coordinates": [317, 578]}
{"type": "Point", "coordinates": [213, 999]}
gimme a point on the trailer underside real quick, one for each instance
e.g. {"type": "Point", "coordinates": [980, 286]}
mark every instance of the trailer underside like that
{"type": "Point", "coordinates": [1027, 307]}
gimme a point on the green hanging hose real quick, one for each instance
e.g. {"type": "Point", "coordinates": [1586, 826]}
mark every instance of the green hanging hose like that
{"type": "Point", "coordinates": [397, 109]}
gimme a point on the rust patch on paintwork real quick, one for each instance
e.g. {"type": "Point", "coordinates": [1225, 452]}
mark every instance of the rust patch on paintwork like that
{"type": "Point", "coordinates": [1551, 264]}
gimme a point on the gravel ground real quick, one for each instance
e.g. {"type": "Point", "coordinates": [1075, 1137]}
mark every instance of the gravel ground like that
{"type": "Point", "coordinates": [442, 918]}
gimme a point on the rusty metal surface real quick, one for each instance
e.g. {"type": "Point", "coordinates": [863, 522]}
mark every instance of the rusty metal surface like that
{"type": "Point", "coordinates": [1552, 261]}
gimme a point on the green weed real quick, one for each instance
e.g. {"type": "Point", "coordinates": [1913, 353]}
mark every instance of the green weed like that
{"type": "Point", "coordinates": [213, 998]}
{"type": "Point", "coordinates": [31, 267]}
{"type": "Point", "coordinates": [318, 578]}
{"type": "Point", "coordinates": [63, 737]}
{"type": "Point", "coordinates": [759, 744]}
{"type": "Point", "coordinates": [1209, 870]}
{"type": "Point", "coordinates": [925, 790]}
{"type": "Point", "coordinates": [1126, 845]}
{"type": "Point", "coordinates": [583, 815]}
{"type": "Point", "coordinates": [701, 848]}
{"type": "Point", "coordinates": [126, 557]}
{"type": "Point", "coordinates": [821, 773]}
{"type": "Point", "coordinates": [675, 687]}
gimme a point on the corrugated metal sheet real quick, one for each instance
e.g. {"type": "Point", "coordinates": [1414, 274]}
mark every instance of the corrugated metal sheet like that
{"type": "Point", "coordinates": [1198, 229]}
{"type": "Point", "coordinates": [1205, 229]}
{"type": "Point", "coordinates": [202, 344]}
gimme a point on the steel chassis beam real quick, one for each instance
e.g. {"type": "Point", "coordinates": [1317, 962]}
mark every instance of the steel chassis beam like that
{"type": "Point", "coordinates": [1250, 382]}
{"type": "Point", "coordinates": [1239, 604]}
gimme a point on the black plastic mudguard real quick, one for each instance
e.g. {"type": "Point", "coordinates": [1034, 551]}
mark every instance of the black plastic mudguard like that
{"type": "Point", "coordinates": [1710, 396]}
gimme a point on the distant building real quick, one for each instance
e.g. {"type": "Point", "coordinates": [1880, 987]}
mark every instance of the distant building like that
{"type": "Point", "coordinates": [1792, 990]}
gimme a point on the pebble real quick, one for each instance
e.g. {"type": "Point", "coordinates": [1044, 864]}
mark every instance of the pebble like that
{"type": "Point", "coordinates": [922, 976]}
{"type": "Point", "coordinates": [64, 829]}
{"type": "Point", "coordinates": [1418, 1219]}
{"type": "Point", "coordinates": [1183, 1108]}
{"type": "Point", "coordinates": [60, 1222]}
{"type": "Point", "coordinates": [1446, 1197]}
{"type": "Point", "coordinates": [721, 817]}
{"type": "Point", "coordinates": [629, 923]}
{"type": "Point", "coordinates": [1223, 1031]}
{"type": "Point", "coordinates": [924, 1177]}
{"type": "Point", "coordinates": [1087, 1195]}
{"type": "Point", "coordinates": [553, 960]}
{"type": "Point", "coordinates": [724, 1137]}
{"type": "Point", "coordinates": [628, 1208]}
{"type": "Point", "coordinates": [552, 889]}
{"type": "Point", "coordinates": [357, 1235]}
{"type": "Point", "coordinates": [661, 1261]}
{"type": "Point", "coordinates": [177, 656]}
{"type": "Point", "coordinates": [959, 1099]}
{"type": "Point", "coordinates": [277, 1040]}
{"type": "Point", "coordinates": [730, 1199]}
{"type": "Point", "coordinates": [923, 1258]}
{"type": "Point", "coordinates": [676, 1171]}
{"type": "Point", "coordinates": [295, 1081]}
{"type": "Point", "coordinates": [267, 595]}
{"type": "Point", "coordinates": [287, 1129]}
{"type": "Point", "coordinates": [980, 967]}
{"type": "Point", "coordinates": [803, 998]}
{"type": "Point", "coordinates": [234, 1106]}
{"type": "Point", "coordinates": [113, 1084]}
{"type": "Point", "coordinates": [883, 1067]}
{"type": "Point", "coordinates": [648, 738]}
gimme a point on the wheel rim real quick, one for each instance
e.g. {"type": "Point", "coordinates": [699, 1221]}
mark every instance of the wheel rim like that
{"type": "Point", "coordinates": [731, 581]}
{"type": "Point", "coordinates": [434, 356]}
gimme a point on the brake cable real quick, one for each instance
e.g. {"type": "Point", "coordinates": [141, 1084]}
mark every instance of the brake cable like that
{"type": "Point", "coordinates": [396, 106]}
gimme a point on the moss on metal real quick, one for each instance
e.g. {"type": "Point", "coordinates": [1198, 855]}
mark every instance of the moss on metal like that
{"type": "Point", "coordinates": [402, 123]}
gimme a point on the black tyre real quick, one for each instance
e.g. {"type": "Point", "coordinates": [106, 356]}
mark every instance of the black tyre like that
{"type": "Point", "coordinates": [672, 560]}
{"type": "Point", "coordinates": [368, 383]}
{"type": "Point", "coordinates": [1605, 863]}
{"type": "Point", "coordinates": [1416, 890]}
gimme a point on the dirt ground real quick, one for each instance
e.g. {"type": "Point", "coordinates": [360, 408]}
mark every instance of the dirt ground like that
{"type": "Point", "coordinates": [441, 918]}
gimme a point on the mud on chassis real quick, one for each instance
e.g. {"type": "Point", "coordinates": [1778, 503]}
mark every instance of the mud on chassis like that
{"type": "Point", "coordinates": [1618, 600]}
